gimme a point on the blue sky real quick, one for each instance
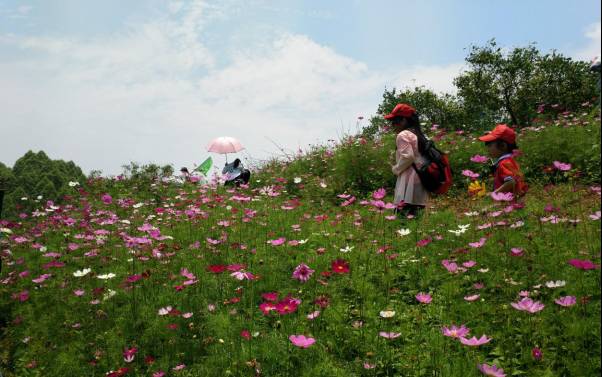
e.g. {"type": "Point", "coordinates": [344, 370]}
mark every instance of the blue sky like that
{"type": "Point", "coordinates": [105, 83]}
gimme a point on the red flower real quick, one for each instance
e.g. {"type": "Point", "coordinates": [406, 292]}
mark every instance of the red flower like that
{"type": "Point", "coordinates": [246, 334]}
{"type": "Point", "coordinates": [322, 301]}
{"type": "Point", "coordinates": [340, 266]}
{"type": "Point", "coordinates": [286, 306]}
{"type": "Point", "coordinates": [216, 268]}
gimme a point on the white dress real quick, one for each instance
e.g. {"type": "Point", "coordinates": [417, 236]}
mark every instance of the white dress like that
{"type": "Point", "coordinates": [408, 187]}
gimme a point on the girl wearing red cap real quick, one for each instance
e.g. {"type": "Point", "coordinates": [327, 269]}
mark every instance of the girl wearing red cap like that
{"type": "Point", "coordinates": [410, 194]}
{"type": "Point", "coordinates": [507, 176]}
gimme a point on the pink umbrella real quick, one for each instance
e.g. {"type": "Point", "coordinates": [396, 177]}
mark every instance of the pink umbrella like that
{"type": "Point", "coordinates": [225, 145]}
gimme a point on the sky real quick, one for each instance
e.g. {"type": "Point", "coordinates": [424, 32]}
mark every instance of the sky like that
{"type": "Point", "coordinates": [105, 83]}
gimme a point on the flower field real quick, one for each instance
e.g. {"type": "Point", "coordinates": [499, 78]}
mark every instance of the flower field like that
{"type": "Point", "coordinates": [288, 278]}
{"type": "Point", "coordinates": [200, 281]}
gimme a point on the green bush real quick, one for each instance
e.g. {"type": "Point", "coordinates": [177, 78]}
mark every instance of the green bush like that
{"type": "Point", "coordinates": [35, 175]}
{"type": "Point", "coordinates": [359, 166]}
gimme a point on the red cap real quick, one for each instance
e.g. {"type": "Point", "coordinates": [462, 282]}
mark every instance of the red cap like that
{"type": "Point", "coordinates": [401, 110]}
{"type": "Point", "coordinates": [501, 132]}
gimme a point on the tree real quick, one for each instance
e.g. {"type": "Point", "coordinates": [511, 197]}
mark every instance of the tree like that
{"type": "Point", "coordinates": [433, 108]}
{"type": "Point", "coordinates": [508, 86]}
{"type": "Point", "coordinates": [36, 174]}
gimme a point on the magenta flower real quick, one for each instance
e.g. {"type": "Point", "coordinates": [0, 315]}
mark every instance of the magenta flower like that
{"type": "Point", "coordinates": [536, 353]}
{"type": "Point", "coordinates": [562, 166]}
{"type": "Point", "coordinates": [583, 264]}
{"type": "Point", "coordinates": [479, 159]}
{"type": "Point", "coordinates": [455, 332]}
{"type": "Point", "coordinates": [424, 298]}
{"type": "Point", "coordinates": [301, 341]}
{"type": "Point", "coordinates": [566, 301]}
{"type": "Point", "coordinates": [389, 335]}
{"type": "Point", "coordinates": [130, 354]}
{"type": "Point", "coordinates": [502, 196]}
{"type": "Point", "coordinates": [302, 272]}
{"type": "Point", "coordinates": [491, 370]}
{"type": "Point", "coordinates": [474, 342]}
{"type": "Point", "coordinates": [528, 305]}
{"type": "Point", "coordinates": [106, 199]}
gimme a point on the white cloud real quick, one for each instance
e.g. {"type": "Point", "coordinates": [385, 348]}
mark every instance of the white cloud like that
{"type": "Point", "coordinates": [434, 77]}
{"type": "Point", "coordinates": [156, 92]}
{"type": "Point", "coordinates": [592, 48]}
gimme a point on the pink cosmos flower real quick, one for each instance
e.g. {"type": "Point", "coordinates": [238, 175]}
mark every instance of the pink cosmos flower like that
{"type": "Point", "coordinates": [313, 315]}
{"type": "Point", "coordinates": [301, 341]}
{"type": "Point", "coordinates": [379, 194]}
{"type": "Point", "coordinates": [179, 367]}
{"type": "Point", "coordinates": [596, 216]}
{"type": "Point", "coordinates": [472, 298]}
{"type": "Point", "coordinates": [41, 278]}
{"type": "Point", "coordinates": [491, 370]}
{"type": "Point", "coordinates": [159, 373]}
{"type": "Point", "coordinates": [528, 305]}
{"type": "Point", "coordinates": [277, 242]}
{"type": "Point", "coordinates": [302, 272]}
{"type": "Point", "coordinates": [536, 353]}
{"type": "Point", "coordinates": [424, 298]}
{"type": "Point", "coordinates": [566, 301]}
{"type": "Point", "coordinates": [474, 342]}
{"type": "Point", "coordinates": [450, 266]}
{"type": "Point", "coordinates": [243, 275]}
{"type": "Point", "coordinates": [478, 244]}
{"type": "Point", "coordinates": [106, 199]}
{"type": "Point", "coordinates": [516, 252]}
{"type": "Point", "coordinates": [389, 335]}
{"type": "Point", "coordinates": [187, 315]}
{"type": "Point", "coordinates": [479, 159]}
{"type": "Point", "coordinates": [266, 307]}
{"type": "Point", "coordinates": [455, 332]}
{"type": "Point", "coordinates": [79, 292]}
{"type": "Point", "coordinates": [469, 264]}
{"type": "Point", "coordinates": [270, 296]}
{"type": "Point", "coordinates": [502, 196]}
{"type": "Point", "coordinates": [583, 264]}
{"type": "Point", "coordinates": [367, 365]}
{"type": "Point", "coordinates": [470, 174]}
{"type": "Point", "coordinates": [562, 166]}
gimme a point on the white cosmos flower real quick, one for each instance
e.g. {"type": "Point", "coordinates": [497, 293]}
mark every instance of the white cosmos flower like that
{"type": "Point", "coordinates": [297, 180]}
{"type": "Point", "coordinates": [110, 275]}
{"type": "Point", "coordinates": [470, 214]}
{"type": "Point", "coordinates": [138, 205]}
{"type": "Point", "coordinates": [387, 313]}
{"type": "Point", "coordinates": [110, 293]}
{"type": "Point", "coordinates": [6, 230]}
{"type": "Point", "coordinates": [43, 249]}
{"type": "Point", "coordinates": [346, 249]}
{"type": "Point", "coordinates": [555, 284]}
{"type": "Point", "coordinates": [84, 272]}
{"type": "Point", "coordinates": [165, 311]}
{"type": "Point", "coordinates": [301, 242]}
{"type": "Point", "coordinates": [404, 232]}
{"type": "Point", "coordinates": [73, 183]}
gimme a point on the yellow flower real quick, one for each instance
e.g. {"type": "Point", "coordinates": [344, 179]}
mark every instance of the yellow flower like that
{"type": "Point", "coordinates": [477, 188]}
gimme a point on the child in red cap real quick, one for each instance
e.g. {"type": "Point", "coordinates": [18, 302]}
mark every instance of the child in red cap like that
{"type": "Point", "coordinates": [507, 176]}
